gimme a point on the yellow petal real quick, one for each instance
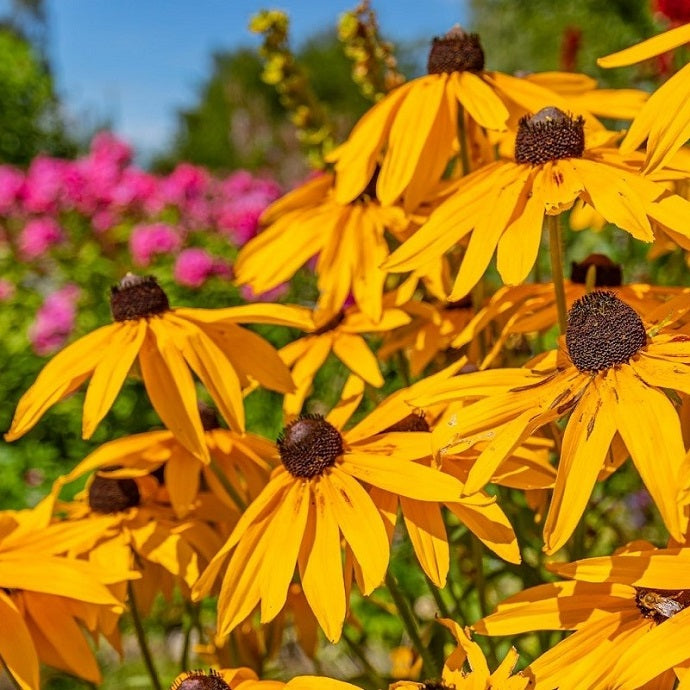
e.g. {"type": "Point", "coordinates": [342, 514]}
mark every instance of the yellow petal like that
{"type": "Point", "coordinates": [65, 372]}
{"type": "Point", "coordinates": [427, 533]}
{"type": "Point", "coordinates": [646, 49]}
{"type": "Point", "coordinates": [355, 354]}
{"type": "Point", "coordinates": [111, 371]}
{"type": "Point", "coordinates": [479, 100]}
{"type": "Point", "coordinates": [182, 481]}
{"type": "Point", "coordinates": [16, 646]}
{"type": "Point", "coordinates": [259, 312]}
{"type": "Point", "coordinates": [360, 524]}
{"type": "Point", "coordinates": [350, 398]}
{"type": "Point", "coordinates": [171, 389]}
{"type": "Point", "coordinates": [305, 368]}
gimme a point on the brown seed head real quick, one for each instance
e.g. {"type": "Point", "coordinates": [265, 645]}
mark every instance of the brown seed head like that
{"type": "Point", "coordinates": [112, 495]}
{"type": "Point", "coordinates": [456, 52]}
{"type": "Point", "coordinates": [548, 136]}
{"type": "Point", "coordinates": [198, 680]}
{"type": "Point", "coordinates": [137, 297]}
{"type": "Point", "coordinates": [603, 331]}
{"type": "Point", "coordinates": [309, 445]}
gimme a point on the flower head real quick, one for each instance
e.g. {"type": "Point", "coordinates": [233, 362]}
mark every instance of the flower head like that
{"type": "Point", "coordinates": [194, 266]}
{"type": "Point", "coordinates": [148, 240]}
{"type": "Point", "coordinates": [54, 321]}
{"type": "Point", "coordinates": [39, 235]}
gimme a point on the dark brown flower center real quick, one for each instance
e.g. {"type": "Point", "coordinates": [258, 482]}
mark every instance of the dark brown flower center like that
{"type": "Point", "coordinates": [661, 604]}
{"type": "Point", "coordinates": [309, 445]}
{"type": "Point", "coordinates": [603, 331]}
{"type": "Point", "coordinates": [606, 272]}
{"type": "Point", "coordinates": [413, 422]}
{"type": "Point", "coordinates": [209, 416]}
{"type": "Point", "coordinates": [108, 495]}
{"type": "Point", "coordinates": [437, 685]}
{"type": "Point", "coordinates": [198, 680]}
{"type": "Point", "coordinates": [137, 297]}
{"type": "Point", "coordinates": [548, 136]}
{"type": "Point", "coordinates": [463, 303]}
{"type": "Point", "coordinates": [332, 323]}
{"type": "Point", "coordinates": [456, 52]}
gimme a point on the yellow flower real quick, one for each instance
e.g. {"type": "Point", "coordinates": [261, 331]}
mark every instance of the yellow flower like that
{"type": "Point", "coordinates": [501, 207]}
{"type": "Point", "coordinates": [314, 497]}
{"type": "Point", "coordinates": [629, 611]}
{"type": "Point", "coordinates": [523, 309]}
{"type": "Point", "coordinates": [610, 378]}
{"type": "Point", "coordinates": [46, 597]}
{"type": "Point", "coordinates": [665, 118]}
{"type": "Point", "coordinates": [413, 132]}
{"type": "Point", "coordinates": [478, 676]}
{"type": "Point", "coordinates": [341, 335]}
{"type": "Point", "coordinates": [349, 238]}
{"type": "Point", "coordinates": [242, 460]}
{"type": "Point", "coordinates": [246, 679]}
{"type": "Point", "coordinates": [167, 343]}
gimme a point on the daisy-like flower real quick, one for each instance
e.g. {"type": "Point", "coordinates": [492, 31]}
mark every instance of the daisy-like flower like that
{"type": "Point", "coordinates": [245, 679]}
{"type": "Point", "coordinates": [610, 377]}
{"type": "Point", "coordinates": [664, 120]}
{"type": "Point", "coordinates": [501, 207]}
{"type": "Point", "coordinates": [630, 614]}
{"type": "Point", "coordinates": [316, 495]}
{"type": "Point", "coordinates": [523, 309]}
{"type": "Point", "coordinates": [241, 459]}
{"type": "Point", "coordinates": [413, 132]}
{"type": "Point", "coordinates": [349, 238]}
{"type": "Point", "coordinates": [343, 336]}
{"type": "Point", "coordinates": [46, 597]}
{"type": "Point", "coordinates": [469, 654]}
{"type": "Point", "coordinates": [166, 343]}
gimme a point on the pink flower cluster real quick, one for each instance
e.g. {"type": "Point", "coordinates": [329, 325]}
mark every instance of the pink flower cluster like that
{"type": "Point", "coordinates": [54, 320]}
{"type": "Point", "coordinates": [109, 192]}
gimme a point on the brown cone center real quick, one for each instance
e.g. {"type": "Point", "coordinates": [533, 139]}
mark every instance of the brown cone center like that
{"type": "Point", "coordinates": [603, 331]}
{"type": "Point", "coordinates": [549, 135]}
{"type": "Point", "coordinates": [198, 680]}
{"type": "Point", "coordinates": [137, 297]}
{"type": "Point", "coordinates": [111, 495]}
{"type": "Point", "coordinates": [606, 272]}
{"type": "Point", "coordinates": [455, 52]}
{"type": "Point", "coordinates": [309, 445]}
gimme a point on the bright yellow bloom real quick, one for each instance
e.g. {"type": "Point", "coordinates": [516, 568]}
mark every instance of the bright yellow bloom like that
{"type": "Point", "coordinates": [630, 613]}
{"type": "Point", "coordinates": [243, 461]}
{"type": "Point", "coordinates": [501, 207]}
{"type": "Point", "coordinates": [664, 120]}
{"type": "Point", "coordinates": [46, 597]}
{"type": "Point", "coordinates": [314, 497]}
{"type": "Point", "coordinates": [166, 343]}
{"type": "Point", "coordinates": [412, 133]}
{"type": "Point", "coordinates": [341, 335]}
{"type": "Point", "coordinates": [349, 238]}
{"type": "Point", "coordinates": [610, 377]}
{"type": "Point", "coordinates": [478, 676]}
{"type": "Point", "coordinates": [245, 679]}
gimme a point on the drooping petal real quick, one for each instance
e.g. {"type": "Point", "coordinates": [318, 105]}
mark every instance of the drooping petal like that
{"type": "Point", "coordinates": [182, 481]}
{"type": "Point", "coordinates": [646, 49]}
{"type": "Point", "coordinates": [355, 354]}
{"type": "Point", "coordinates": [428, 536]}
{"type": "Point", "coordinates": [16, 646]}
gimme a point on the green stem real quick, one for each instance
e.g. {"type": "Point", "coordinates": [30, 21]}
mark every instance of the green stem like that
{"type": "Point", "coordinates": [431, 668]}
{"type": "Point", "coordinates": [13, 680]}
{"type": "Point", "coordinates": [371, 672]}
{"type": "Point", "coordinates": [229, 488]}
{"type": "Point", "coordinates": [556, 250]}
{"type": "Point", "coordinates": [478, 558]}
{"type": "Point", "coordinates": [141, 639]}
{"type": "Point", "coordinates": [436, 593]}
{"type": "Point", "coordinates": [192, 624]}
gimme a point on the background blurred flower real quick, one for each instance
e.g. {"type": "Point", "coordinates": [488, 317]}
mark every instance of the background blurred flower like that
{"type": "Point", "coordinates": [149, 240]}
{"type": "Point", "coordinates": [54, 321]}
{"type": "Point", "coordinates": [7, 289]}
{"type": "Point", "coordinates": [39, 235]}
{"type": "Point", "coordinates": [195, 266]}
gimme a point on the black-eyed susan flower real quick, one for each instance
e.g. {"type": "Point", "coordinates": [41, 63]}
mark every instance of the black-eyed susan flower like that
{"type": "Point", "coordinates": [501, 207]}
{"type": "Point", "coordinates": [412, 133]}
{"type": "Point", "coordinates": [343, 336]}
{"type": "Point", "coordinates": [48, 600]}
{"type": "Point", "coordinates": [466, 668]}
{"type": "Point", "coordinates": [317, 494]}
{"type": "Point", "coordinates": [349, 238]}
{"type": "Point", "coordinates": [246, 679]}
{"type": "Point", "coordinates": [166, 343]}
{"type": "Point", "coordinates": [610, 377]}
{"type": "Point", "coordinates": [629, 611]}
{"type": "Point", "coordinates": [531, 308]}
{"type": "Point", "coordinates": [237, 472]}
{"type": "Point", "coordinates": [664, 120]}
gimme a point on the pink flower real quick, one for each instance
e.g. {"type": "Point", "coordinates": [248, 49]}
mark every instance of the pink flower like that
{"type": "Point", "coordinates": [149, 240]}
{"type": "Point", "coordinates": [54, 321]}
{"type": "Point", "coordinates": [11, 181]}
{"type": "Point", "coordinates": [7, 289]}
{"type": "Point", "coordinates": [243, 182]}
{"type": "Point", "coordinates": [39, 235]}
{"type": "Point", "coordinates": [272, 295]}
{"type": "Point", "coordinates": [239, 218]}
{"type": "Point", "coordinates": [44, 185]}
{"type": "Point", "coordinates": [105, 146]}
{"type": "Point", "coordinates": [195, 266]}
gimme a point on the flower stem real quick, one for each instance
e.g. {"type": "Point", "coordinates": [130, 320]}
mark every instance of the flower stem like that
{"type": "Point", "coordinates": [555, 247]}
{"type": "Point", "coordinates": [370, 671]}
{"type": "Point", "coordinates": [141, 639]}
{"type": "Point", "coordinates": [436, 593]}
{"type": "Point", "coordinates": [229, 488]}
{"type": "Point", "coordinates": [478, 558]}
{"type": "Point", "coordinates": [431, 668]}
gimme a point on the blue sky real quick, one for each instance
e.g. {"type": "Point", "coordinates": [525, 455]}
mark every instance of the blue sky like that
{"type": "Point", "coordinates": [135, 62]}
